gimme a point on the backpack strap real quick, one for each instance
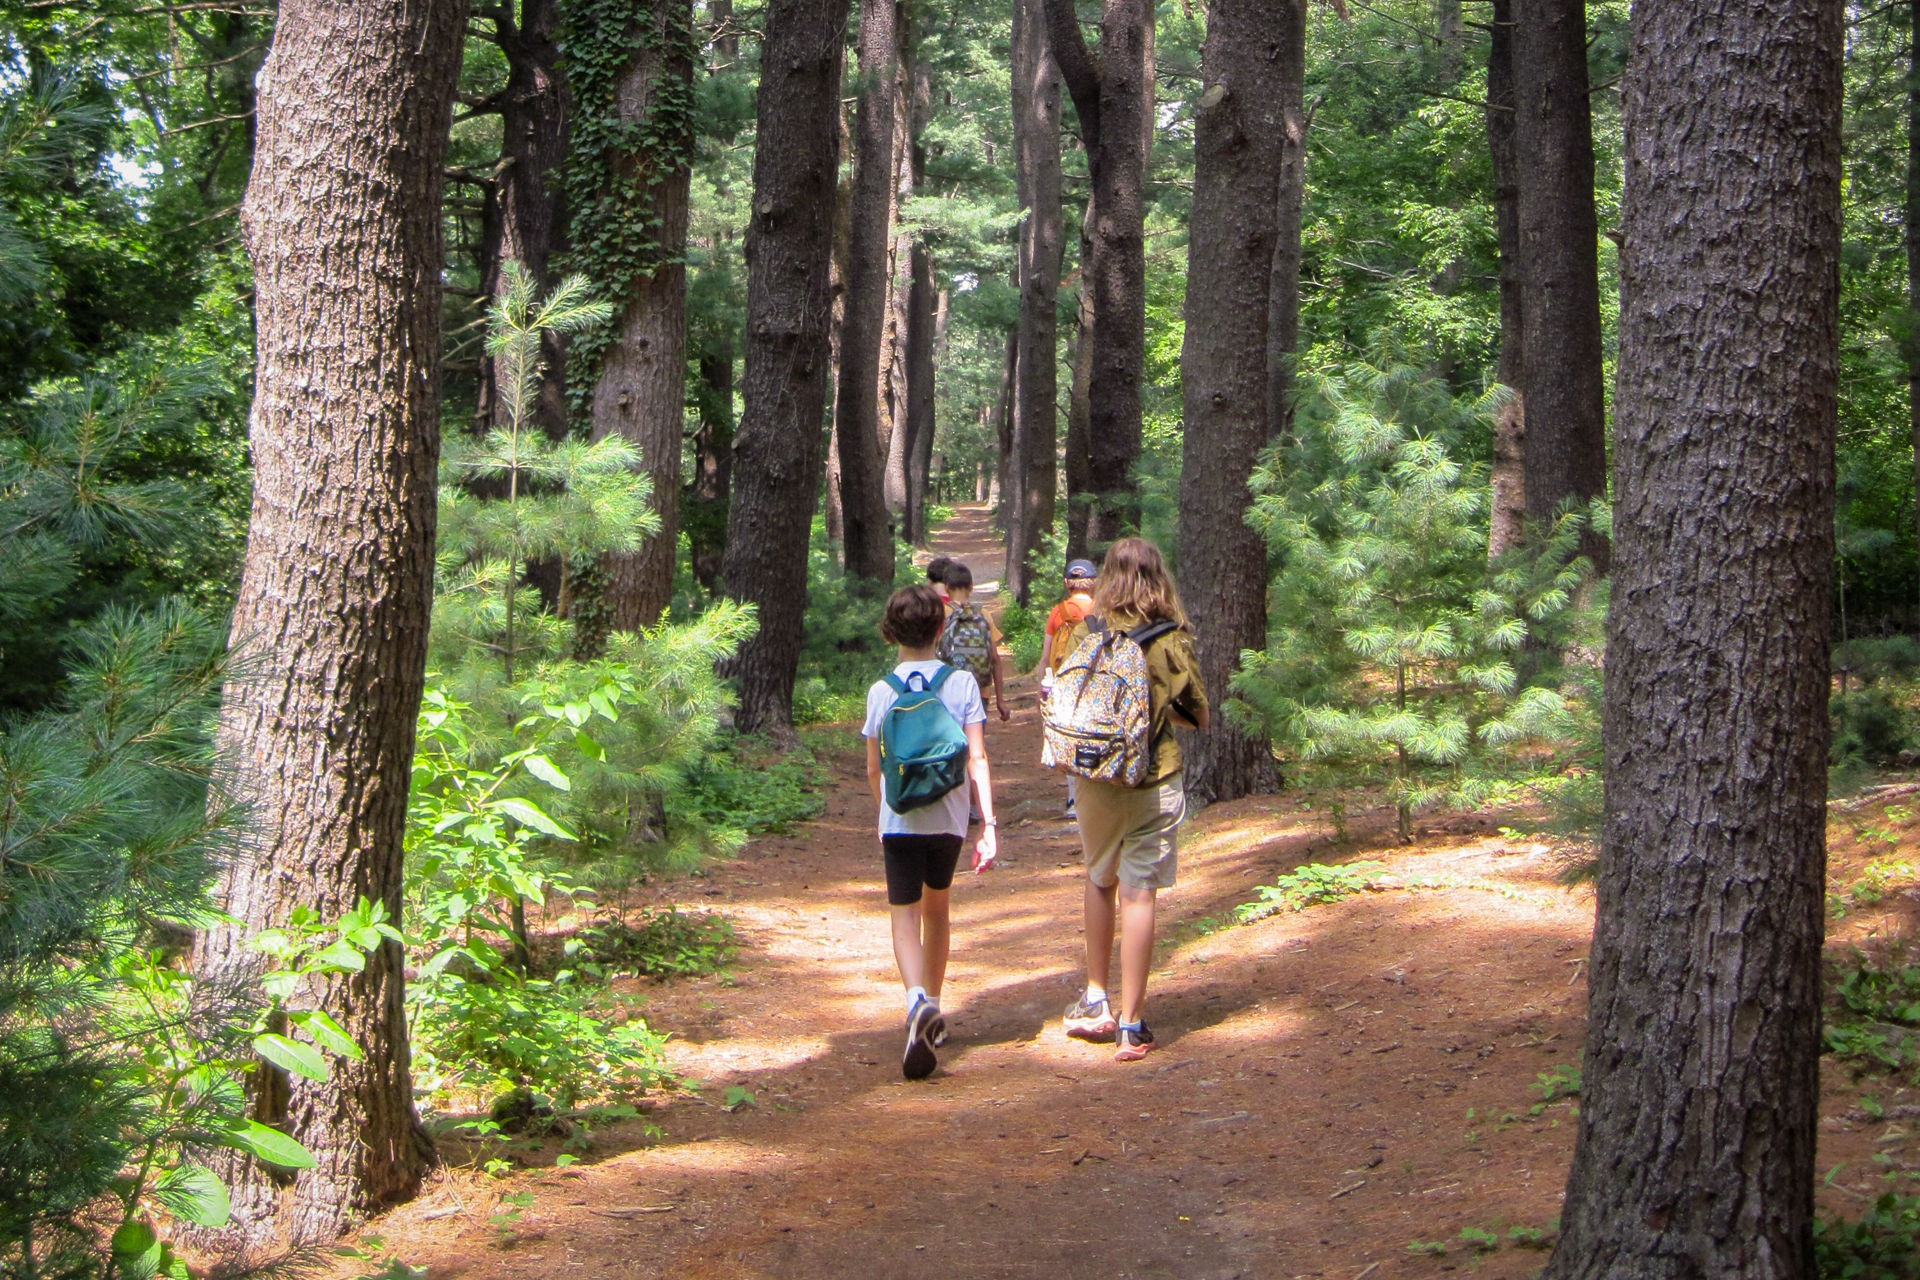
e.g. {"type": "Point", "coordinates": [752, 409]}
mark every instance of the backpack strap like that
{"type": "Point", "coordinates": [1147, 633]}
{"type": "Point", "coordinates": [939, 678]}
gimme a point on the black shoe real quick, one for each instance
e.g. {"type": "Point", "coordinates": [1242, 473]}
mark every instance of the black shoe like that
{"type": "Point", "coordinates": [919, 1060]}
{"type": "Point", "coordinates": [1132, 1043]}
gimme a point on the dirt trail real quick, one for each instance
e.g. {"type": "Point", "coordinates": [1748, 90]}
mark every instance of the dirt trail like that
{"type": "Point", "coordinates": [1331, 1085]}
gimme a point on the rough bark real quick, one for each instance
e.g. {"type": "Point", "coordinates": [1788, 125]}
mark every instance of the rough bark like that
{"type": "Point", "coordinates": [316, 729]}
{"type": "Point", "coordinates": [641, 392]}
{"type": "Point", "coordinates": [925, 367]}
{"type": "Point", "coordinates": [1507, 520]}
{"type": "Point", "coordinates": [1000, 424]}
{"type": "Point", "coordinates": [1074, 460]}
{"type": "Point", "coordinates": [703, 505]}
{"type": "Point", "coordinates": [1566, 457]}
{"type": "Point", "coordinates": [1913, 253]}
{"type": "Point", "coordinates": [897, 420]}
{"type": "Point", "coordinates": [1283, 293]}
{"type": "Point", "coordinates": [920, 374]}
{"type": "Point", "coordinates": [1695, 1155]}
{"type": "Point", "coordinates": [863, 507]}
{"type": "Point", "coordinates": [534, 110]}
{"type": "Point", "coordinates": [1239, 148]}
{"type": "Point", "coordinates": [1113, 96]}
{"type": "Point", "coordinates": [1036, 107]}
{"type": "Point", "coordinates": [776, 453]}
{"type": "Point", "coordinates": [830, 495]}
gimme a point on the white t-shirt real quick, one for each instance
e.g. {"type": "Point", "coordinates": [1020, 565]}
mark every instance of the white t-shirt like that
{"type": "Point", "coordinates": [961, 694]}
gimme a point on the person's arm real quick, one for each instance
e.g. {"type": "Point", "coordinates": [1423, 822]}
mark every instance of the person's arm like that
{"type": "Point", "coordinates": [988, 846]}
{"type": "Point", "coordinates": [999, 691]}
{"type": "Point", "coordinates": [873, 769]}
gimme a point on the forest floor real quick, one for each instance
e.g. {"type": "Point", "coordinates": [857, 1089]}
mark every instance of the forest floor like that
{"type": "Point", "coordinates": [1331, 1086]}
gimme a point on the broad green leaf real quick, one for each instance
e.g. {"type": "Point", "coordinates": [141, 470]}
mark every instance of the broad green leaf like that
{"type": "Point", "coordinates": [195, 1195]}
{"type": "Point", "coordinates": [291, 1055]}
{"type": "Point", "coordinates": [545, 770]}
{"type": "Point", "coordinates": [588, 747]}
{"type": "Point", "coordinates": [136, 1250]}
{"type": "Point", "coordinates": [270, 1145]}
{"type": "Point", "coordinates": [329, 1033]}
{"type": "Point", "coordinates": [529, 814]}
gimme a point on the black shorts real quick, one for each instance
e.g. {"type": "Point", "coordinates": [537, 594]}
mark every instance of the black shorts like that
{"type": "Point", "coordinates": [914, 861]}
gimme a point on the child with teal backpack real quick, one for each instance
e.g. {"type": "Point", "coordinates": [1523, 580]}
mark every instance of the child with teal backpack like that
{"type": "Point", "coordinates": [925, 739]}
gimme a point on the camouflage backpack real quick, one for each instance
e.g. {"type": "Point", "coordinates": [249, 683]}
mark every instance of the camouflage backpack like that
{"type": "Point", "coordinates": [1099, 717]}
{"type": "Point", "coordinates": [967, 642]}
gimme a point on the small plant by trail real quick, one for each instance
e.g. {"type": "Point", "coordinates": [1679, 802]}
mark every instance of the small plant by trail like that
{"type": "Point", "coordinates": [1308, 886]}
{"type": "Point", "coordinates": [1873, 1013]}
{"type": "Point", "coordinates": [1883, 1243]}
{"type": "Point", "coordinates": [661, 944]}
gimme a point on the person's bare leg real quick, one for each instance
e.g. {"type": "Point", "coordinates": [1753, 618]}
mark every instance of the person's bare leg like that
{"type": "Point", "coordinates": [908, 951]}
{"type": "Point", "coordinates": [936, 935]}
{"type": "Point", "coordinates": [1100, 921]}
{"type": "Point", "coordinates": [1136, 949]}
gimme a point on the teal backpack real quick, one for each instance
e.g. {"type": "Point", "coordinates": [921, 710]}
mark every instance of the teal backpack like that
{"type": "Point", "coordinates": [923, 749]}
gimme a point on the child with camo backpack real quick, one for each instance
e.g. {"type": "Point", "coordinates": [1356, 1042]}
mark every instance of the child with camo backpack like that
{"type": "Point", "coordinates": [970, 640]}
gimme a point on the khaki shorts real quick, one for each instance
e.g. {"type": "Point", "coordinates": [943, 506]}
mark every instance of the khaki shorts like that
{"type": "Point", "coordinates": [1128, 833]}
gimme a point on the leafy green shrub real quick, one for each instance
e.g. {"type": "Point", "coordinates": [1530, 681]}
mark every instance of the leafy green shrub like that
{"type": "Point", "coordinates": [744, 786]}
{"type": "Point", "coordinates": [1869, 659]}
{"type": "Point", "coordinates": [1307, 886]}
{"type": "Point", "coordinates": [480, 845]}
{"type": "Point", "coordinates": [664, 944]}
{"type": "Point", "coordinates": [1873, 1010]}
{"type": "Point", "coordinates": [494, 1031]}
{"type": "Point", "coordinates": [1399, 647]}
{"type": "Point", "coordinates": [1881, 1244]}
{"type": "Point", "coordinates": [1869, 727]}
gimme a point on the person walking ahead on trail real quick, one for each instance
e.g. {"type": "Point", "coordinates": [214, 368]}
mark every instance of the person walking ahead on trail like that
{"type": "Point", "coordinates": [924, 742]}
{"type": "Point", "coordinates": [1132, 797]}
{"type": "Point", "coordinates": [970, 638]}
{"type": "Point", "coordinates": [1063, 622]}
{"type": "Point", "coordinates": [1068, 613]}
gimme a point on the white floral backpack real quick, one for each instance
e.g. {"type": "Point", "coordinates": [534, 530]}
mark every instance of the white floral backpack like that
{"type": "Point", "coordinates": [1099, 717]}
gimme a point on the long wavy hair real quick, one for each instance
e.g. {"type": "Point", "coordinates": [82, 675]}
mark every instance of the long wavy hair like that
{"type": "Point", "coordinates": [1134, 587]}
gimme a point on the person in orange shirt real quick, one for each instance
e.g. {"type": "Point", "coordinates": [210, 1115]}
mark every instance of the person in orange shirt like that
{"type": "Point", "coordinates": [1062, 623]}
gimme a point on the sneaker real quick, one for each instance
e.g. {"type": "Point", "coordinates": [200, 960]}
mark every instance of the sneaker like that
{"type": "Point", "coordinates": [918, 1062]}
{"type": "Point", "coordinates": [937, 1029]}
{"type": "Point", "coordinates": [1085, 1021]}
{"type": "Point", "coordinates": [1071, 815]}
{"type": "Point", "coordinates": [1132, 1043]}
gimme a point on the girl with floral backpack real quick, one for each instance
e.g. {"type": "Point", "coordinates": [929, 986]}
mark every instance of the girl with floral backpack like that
{"type": "Point", "coordinates": [1129, 678]}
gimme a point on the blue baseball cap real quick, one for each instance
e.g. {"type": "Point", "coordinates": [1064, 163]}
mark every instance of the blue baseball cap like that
{"type": "Point", "coordinates": [1081, 569]}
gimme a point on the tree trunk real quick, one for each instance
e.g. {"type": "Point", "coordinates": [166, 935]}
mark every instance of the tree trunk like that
{"type": "Point", "coordinates": [1120, 264]}
{"type": "Point", "coordinates": [1283, 294]}
{"type": "Point", "coordinates": [1076, 461]}
{"type": "Point", "coordinates": [1566, 457]}
{"type": "Point", "coordinates": [641, 392]}
{"type": "Point", "coordinates": [1695, 1155]}
{"type": "Point", "coordinates": [836, 526]}
{"type": "Point", "coordinates": [316, 728]}
{"type": "Point", "coordinates": [863, 505]}
{"type": "Point", "coordinates": [1036, 101]}
{"type": "Point", "coordinates": [926, 392]}
{"type": "Point", "coordinates": [704, 504]}
{"type": "Point", "coordinates": [897, 399]}
{"type": "Point", "coordinates": [724, 34]}
{"type": "Point", "coordinates": [1913, 252]}
{"type": "Point", "coordinates": [1507, 520]}
{"type": "Point", "coordinates": [534, 111]}
{"type": "Point", "coordinates": [1113, 96]}
{"type": "Point", "coordinates": [1239, 148]}
{"type": "Point", "coordinates": [776, 453]}
{"type": "Point", "coordinates": [921, 323]}
{"type": "Point", "coordinates": [1002, 428]}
